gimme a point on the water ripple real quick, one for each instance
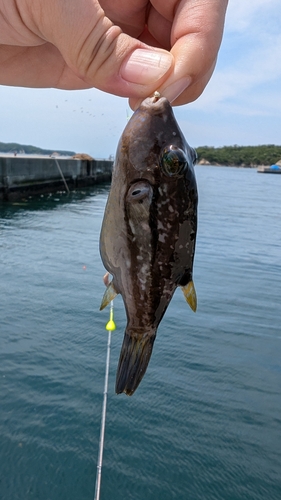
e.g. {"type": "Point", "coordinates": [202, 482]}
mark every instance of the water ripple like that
{"type": "Point", "coordinates": [205, 421]}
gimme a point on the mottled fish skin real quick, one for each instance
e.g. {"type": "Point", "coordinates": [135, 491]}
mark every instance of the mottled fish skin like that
{"type": "Point", "coordinates": [148, 234]}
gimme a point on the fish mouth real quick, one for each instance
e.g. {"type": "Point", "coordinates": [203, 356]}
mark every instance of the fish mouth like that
{"type": "Point", "coordinates": [156, 105]}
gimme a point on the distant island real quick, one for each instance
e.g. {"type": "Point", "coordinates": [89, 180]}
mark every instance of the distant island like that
{"type": "Point", "coordinates": [241, 156]}
{"type": "Point", "coordinates": [14, 147]}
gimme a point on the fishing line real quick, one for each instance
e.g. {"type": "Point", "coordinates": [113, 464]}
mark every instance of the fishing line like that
{"type": "Point", "coordinates": [110, 326]}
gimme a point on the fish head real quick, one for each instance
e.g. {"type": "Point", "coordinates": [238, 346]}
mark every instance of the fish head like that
{"type": "Point", "coordinates": [152, 145]}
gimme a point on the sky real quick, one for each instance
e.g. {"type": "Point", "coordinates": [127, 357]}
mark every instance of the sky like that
{"type": "Point", "coordinates": [241, 104]}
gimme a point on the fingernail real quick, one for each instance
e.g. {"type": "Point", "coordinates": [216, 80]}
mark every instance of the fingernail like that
{"type": "Point", "coordinates": [176, 89]}
{"type": "Point", "coordinates": [146, 66]}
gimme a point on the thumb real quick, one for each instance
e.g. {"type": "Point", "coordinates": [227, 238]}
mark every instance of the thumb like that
{"type": "Point", "coordinates": [99, 52]}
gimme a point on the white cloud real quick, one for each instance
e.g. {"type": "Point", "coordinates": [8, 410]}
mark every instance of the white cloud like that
{"type": "Point", "coordinates": [243, 77]}
{"type": "Point", "coordinates": [244, 15]}
{"type": "Point", "coordinates": [241, 104]}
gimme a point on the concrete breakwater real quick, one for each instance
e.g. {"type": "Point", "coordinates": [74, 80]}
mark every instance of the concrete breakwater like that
{"type": "Point", "coordinates": [24, 175]}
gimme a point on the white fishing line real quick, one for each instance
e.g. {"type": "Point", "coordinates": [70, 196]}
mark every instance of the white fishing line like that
{"type": "Point", "coordinates": [109, 327]}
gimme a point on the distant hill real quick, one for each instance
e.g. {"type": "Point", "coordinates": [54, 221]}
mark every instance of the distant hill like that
{"type": "Point", "coordinates": [14, 147]}
{"type": "Point", "coordinates": [244, 156]}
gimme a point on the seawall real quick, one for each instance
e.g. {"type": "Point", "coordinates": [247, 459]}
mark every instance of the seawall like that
{"type": "Point", "coordinates": [25, 175]}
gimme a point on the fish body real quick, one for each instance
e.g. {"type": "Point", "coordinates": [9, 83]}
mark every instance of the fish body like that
{"type": "Point", "coordinates": [148, 234]}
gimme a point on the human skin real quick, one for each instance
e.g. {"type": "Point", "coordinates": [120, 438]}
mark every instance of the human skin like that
{"type": "Point", "coordinates": [124, 47]}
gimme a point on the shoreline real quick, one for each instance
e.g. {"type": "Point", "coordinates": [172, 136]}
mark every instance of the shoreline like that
{"type": "Point", "coordinates": [243, 165]}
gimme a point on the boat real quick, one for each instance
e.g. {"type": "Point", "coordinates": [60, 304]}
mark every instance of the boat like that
{"type": "Point", "coordinates": [273, 169]}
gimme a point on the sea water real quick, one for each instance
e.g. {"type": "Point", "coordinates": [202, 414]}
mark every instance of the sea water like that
{"type": "Point", "coordinates": [205, 422]}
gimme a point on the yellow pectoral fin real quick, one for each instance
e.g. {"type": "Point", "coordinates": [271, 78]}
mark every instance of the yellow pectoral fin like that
{"type": "Point", "coordinates": [109, 294]}
{"type": "Point", "coordinates": [190, 295]}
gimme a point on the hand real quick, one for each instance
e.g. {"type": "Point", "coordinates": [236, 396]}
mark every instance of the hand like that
{"type": "Point", "coordinates": [124, 47]}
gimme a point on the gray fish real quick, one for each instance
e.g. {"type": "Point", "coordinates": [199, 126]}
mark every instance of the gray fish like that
{"type": "Point", "coordinates": [148, 234]}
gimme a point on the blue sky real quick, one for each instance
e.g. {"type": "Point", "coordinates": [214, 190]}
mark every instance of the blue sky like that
{"type": "Point", "coordinates": [241, 105]}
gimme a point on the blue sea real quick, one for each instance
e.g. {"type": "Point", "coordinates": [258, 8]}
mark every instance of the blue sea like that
{"type": "Point", "coordinates": [205, 422]}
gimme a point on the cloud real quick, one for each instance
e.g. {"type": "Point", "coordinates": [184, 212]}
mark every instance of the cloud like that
{"type": "Point", "coordinates": [241, 104]}
{"type": "Point", "coordinates": [243, 75]}
{"type": "Point", "coordinates": [247, 15]}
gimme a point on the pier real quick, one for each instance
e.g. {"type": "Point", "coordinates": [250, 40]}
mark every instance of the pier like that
{"type": "Point", "coordinates": [25, 175]}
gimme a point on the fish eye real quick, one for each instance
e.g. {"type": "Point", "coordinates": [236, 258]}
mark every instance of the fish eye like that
{"type": "Point", "coordinates": [173, 161]}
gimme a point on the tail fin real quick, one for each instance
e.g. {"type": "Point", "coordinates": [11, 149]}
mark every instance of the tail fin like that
{"type": "Point", "coordinates": [134, 358]}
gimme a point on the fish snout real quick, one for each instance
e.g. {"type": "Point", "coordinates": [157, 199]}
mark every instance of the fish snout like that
{"type": "Point", "coordinates": [156, 105]}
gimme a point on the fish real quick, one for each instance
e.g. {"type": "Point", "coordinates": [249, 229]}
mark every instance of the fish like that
{"type": "Point", "coordinates": [148, 234]}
